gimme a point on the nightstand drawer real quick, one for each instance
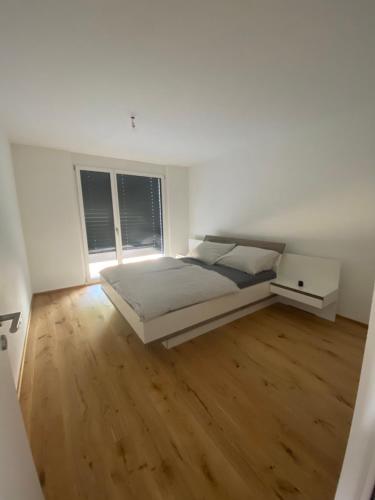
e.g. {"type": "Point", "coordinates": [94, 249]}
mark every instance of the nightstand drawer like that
{"type": "Point", "coordinates": [298, 295]}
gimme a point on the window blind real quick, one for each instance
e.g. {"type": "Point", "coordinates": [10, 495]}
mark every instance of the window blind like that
{"type": "Point", "coordinates": [140, 206]}
{"type": "Point", "coordinates": [97, 203]}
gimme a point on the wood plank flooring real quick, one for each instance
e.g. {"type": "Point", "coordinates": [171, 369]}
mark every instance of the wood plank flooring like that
{"type": "Point", "coordinates": [258, 409]}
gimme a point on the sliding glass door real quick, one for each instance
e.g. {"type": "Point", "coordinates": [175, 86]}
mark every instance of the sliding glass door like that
{"type": "Point", "coordinates": [141, 217]}
{"type": "Point", "coordinates": [122, 218]}
{"type": "Point", "coordinates": [99, 222]}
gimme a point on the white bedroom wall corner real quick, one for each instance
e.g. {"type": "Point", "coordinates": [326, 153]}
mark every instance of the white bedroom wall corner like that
{"type": "Point", "coordinates": [15, 286]}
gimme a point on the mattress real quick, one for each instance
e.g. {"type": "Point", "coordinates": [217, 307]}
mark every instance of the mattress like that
{"type": "Point", "coordinates": [157, 287]}
{"type": "Point", "coordinates": [240, 278]}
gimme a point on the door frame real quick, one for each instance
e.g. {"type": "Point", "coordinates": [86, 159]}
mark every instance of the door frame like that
{"type": "Point", "coordinates": [116, 213]}
{"type": "Point", "coordinates": [18, 474]}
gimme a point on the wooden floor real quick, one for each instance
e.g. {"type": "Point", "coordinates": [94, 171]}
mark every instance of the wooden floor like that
{"type": "Point", "coordinates": [258, 409]}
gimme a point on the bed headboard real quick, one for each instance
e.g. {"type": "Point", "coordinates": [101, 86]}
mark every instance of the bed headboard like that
{"type": "Point", "coordinates": [268, 245]}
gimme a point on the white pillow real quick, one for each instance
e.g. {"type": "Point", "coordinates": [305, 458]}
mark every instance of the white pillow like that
{"type": "Point", "coordinates": [251, 260]}
{"type": "Point", "coordinates": [208, 251]}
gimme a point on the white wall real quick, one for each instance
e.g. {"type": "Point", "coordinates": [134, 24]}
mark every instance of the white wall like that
{"type": "Point", "coordinates": [357, 478]}
{"type": "Point", "coordinates": [49, 210]}
{"type": "Point", "coordinates": [178, 208]}
{"type": "Point", "coordinates": [46, 186]}
{"type": "Point", "coordinates": [15, 290]}
{"type": "Point", "coordinates": [312, 186]}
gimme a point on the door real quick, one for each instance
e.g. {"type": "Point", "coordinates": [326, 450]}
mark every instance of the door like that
{"type": "Point", "coordinates": [140, 209]}
{"type": "Point", "coordinates": [18, 477]}
{"type": "Point", "coordinates": [122, 217]}
{"type": "Point", "coordinates": [98, 221]}
{"type": "Point", "coordinates": [358, 469]}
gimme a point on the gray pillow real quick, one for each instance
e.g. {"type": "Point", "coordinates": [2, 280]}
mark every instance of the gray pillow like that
{"type": "Point", "coordinates": [251, 260]}
{"type": "Point", "coordinates": [208, 251]}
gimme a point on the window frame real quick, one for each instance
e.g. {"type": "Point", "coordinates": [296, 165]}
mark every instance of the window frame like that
{"type": "Point", "coordinates": [116, 212]}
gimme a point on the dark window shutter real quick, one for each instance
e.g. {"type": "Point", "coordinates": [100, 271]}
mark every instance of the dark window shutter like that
{"type": "Point", "coordinates": [140, 204]}
{"type": "Point", "coordinates": [97, 203]}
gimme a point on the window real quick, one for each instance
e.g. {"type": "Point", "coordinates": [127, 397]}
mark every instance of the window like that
{"type": "Point", "coordinates": [97, 203]}
{"type": "Point", "coordinates": [122, 218]}
{"type": "Point", "coordinates": [140, 207]}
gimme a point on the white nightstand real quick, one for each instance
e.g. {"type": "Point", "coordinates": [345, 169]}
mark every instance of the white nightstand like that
{"type": "Point", "coordinates": [320, 278]}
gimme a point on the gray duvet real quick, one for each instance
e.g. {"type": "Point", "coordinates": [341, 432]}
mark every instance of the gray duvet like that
{"type": "Point", "coordinates": [156, 287]}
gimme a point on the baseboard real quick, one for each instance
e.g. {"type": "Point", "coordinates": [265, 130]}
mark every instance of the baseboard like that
{"type": "Point", "coordinates": [63, 289]}
{"type": "Point", "coordinates": [365, 325]}
{"type": "Point", "coordinates": [20, 372]}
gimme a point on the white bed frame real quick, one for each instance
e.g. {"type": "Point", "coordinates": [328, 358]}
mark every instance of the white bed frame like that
{"type": "Point", "coordinates": [184, 324]}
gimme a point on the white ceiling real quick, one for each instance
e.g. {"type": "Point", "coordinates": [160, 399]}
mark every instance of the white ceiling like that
{"type": "Point", "coordinates": [202, 76]}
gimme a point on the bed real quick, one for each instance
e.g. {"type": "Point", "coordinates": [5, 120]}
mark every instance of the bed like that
{"type": "Point", "coordinates": [224, 294]}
